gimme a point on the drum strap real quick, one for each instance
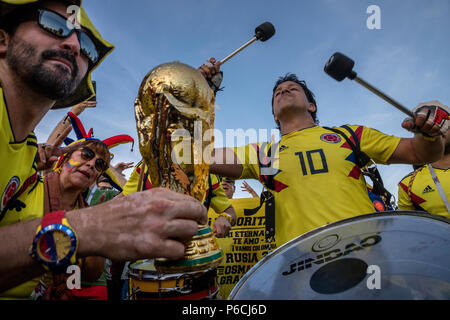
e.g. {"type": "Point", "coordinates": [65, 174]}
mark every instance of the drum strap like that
{"type": "Point", "coordinates": [366, 164]}
{"type": "Point", "coordinates": [268, 199]}
{"type": "Point", "coordinates": [207, 202]}
{"type": "Point", "coordinates": [439, 187]}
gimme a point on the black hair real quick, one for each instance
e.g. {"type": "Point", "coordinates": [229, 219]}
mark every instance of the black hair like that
{"type": "Point", "coordinates": [309, 94]}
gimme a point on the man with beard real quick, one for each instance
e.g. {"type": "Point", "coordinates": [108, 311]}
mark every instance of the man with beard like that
{"type": "Point", "coordinates": [46, 62]}
{"type": "Point", "coordinates": [428, 187]}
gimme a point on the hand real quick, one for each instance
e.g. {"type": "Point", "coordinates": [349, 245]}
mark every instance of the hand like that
{"type": "Point", "coordinates": [210, 68]}
{"type": "Point", "coordinates": [155, 223]}
{"type": "Point", "coordinates": [121, 166]}
{"type": "Point", "coordinates": [79, 108]}
{"type": "Point", "coordinates": [249, 189]}
{"type": "Point", "coordinates": [221, 227]}
{"type": "Point", "coordinates": [432, 119]}
{"type": "Point", "coordinates": [48, 154]}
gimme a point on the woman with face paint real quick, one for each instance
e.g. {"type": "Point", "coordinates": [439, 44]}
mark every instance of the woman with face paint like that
{"type": "Point", "coordinates": [71, 178]}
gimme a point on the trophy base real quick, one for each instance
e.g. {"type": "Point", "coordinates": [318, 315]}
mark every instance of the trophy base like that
{"type": "Point", "coordinates": [202, 253]}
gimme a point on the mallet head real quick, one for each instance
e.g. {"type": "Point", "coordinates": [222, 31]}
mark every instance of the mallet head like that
{"type": "Point", "coordinates": [340, 67]}
{"type": "Point", "coordinates": [264, 31]}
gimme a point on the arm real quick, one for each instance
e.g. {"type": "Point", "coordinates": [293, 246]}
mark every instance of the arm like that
{"type": "Point", "coordinates": [118, 229]}
{"type": "Point", "coordinates": [119, 175]}
{"type": "Point", "coordinates": [417, 150]}
{"type": "Point", "coordinates": [249, 189]}
{"type": "Point", "coordinates": [226, 163]}
{"type": "Point", "coordinates": [222, 226]}
{"type": "Point", "coordinates": [64, 124]}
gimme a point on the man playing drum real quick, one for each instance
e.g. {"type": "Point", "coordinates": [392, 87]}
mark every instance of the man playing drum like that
{"type": "Point", "coordinates": [315, 180]}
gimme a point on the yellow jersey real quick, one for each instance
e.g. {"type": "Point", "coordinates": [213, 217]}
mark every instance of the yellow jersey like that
{"type": "Point", "coordinates": [315, 178]}
{"type": "Point", "coordinates": [33, 208]}
{"type": "Point", "coordinates": [18, 163]}
{"type": "Point", "coordinates": [417, 191]}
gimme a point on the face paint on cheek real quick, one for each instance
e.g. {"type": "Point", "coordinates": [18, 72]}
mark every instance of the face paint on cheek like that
{"type": "Point", "coordinates": [71, 164]}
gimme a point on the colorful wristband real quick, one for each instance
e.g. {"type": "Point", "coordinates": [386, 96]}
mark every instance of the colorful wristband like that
{"type": "Point", "coordinates": [428, 137]}
{"type": "Point", "coordinates": [227, 216]}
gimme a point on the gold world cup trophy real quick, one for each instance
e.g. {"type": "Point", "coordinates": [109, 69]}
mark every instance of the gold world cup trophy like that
{"type": "Point", "coordinates": [175, 119]}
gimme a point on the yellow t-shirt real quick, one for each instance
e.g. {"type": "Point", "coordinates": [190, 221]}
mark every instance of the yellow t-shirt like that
{"type": "Point", "coordinates": [316, 180]}
{"type": "Point", "coordinates": [424, 195]}
{"type": "Point", "coordinates": [218, 201]}
{"type": "Point", "coordinates": [17, 158]}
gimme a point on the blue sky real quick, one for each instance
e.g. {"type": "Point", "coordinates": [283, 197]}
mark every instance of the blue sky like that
{"type": "Point", "coordinates": [408, 58]}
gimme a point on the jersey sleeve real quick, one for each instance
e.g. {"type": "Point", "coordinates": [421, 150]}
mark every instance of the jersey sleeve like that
{"type": "Point", "coordinates": [404, 200]}
{"type": "Point", "coordinates": [220, 202]}
{"type": "Point", "coordinates": [377, 145]}
{"type": "Point", "coordinates": [248, 157]}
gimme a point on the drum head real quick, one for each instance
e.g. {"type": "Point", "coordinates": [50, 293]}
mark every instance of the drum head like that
{"type": "Point", "coordinates": [402, 255]}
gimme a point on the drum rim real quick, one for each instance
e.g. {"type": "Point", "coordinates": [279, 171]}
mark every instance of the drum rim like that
{"type": "Point", "coordinates": [133, 272]}
{"type": "Point", "coordinates": [420, 214]}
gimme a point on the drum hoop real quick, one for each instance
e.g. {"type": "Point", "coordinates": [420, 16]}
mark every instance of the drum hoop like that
{"type": "Point", "coordinates": [270, 255]}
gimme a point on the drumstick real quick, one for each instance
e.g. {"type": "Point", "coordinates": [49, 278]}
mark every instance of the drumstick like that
{"type": "Point", "coordinates": [263, 32]}
{"type": "Point", "coordinates": [340, 67]}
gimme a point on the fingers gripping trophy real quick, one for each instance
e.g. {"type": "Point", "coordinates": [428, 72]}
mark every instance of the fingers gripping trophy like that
{"type": "Point", "coordinates": [175, 119]}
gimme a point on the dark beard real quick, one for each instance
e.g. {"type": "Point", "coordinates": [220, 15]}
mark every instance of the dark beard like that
{"type": "Point", "coordinates": [54, 85]}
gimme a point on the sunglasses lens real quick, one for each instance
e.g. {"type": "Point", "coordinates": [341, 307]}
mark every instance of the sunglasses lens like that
{"type": "Point", "coordinates": [88, 47]}
{"type": "Point", "coordinates": [53, 23]}
{"type": "Point", "coordinates": [57, 26]}
{"type": "Point", "coordinates": [101, 165]}
{"type": "Point", "coordinates": [87, 154]}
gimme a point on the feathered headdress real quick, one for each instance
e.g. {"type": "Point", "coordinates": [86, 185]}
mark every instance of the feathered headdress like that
{"type": "Point", "coordinates": [83, 136]}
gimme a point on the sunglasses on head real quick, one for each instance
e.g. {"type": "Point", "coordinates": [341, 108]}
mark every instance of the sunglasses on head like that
{"type": "Point", "coordinates": [100, 164]}
{"type": "Point", "coordinates": [58, 26]}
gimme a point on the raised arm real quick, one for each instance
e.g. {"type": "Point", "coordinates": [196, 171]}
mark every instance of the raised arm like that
{"type": "Point", "coordinates": [225, 163]}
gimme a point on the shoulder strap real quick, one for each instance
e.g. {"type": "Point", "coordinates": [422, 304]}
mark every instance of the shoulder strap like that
{"type": "Point", "coordinates": [439, 187]}
{"type": "Point", "coordinates": [266, 197]}
{"type": "Point", "coordinates": [207, 202]}
{"type": "Point", "coordinates": [362, 160]}
{"type": "Point", "coordinates": [411, 180]}
{"type": "Point", "coordinates": [266, 179]}
{"type": "Point", "coordinates": [141, 176]}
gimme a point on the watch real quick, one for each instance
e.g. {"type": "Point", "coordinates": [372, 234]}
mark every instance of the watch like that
{"type": "Point", "coordinates": [55, 243]}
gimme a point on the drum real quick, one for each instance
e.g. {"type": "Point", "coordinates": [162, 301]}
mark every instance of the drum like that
{"type": "Point", "coordinates": [145, 283]}
{"type": "Point", "coordinates": [397, 256]}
